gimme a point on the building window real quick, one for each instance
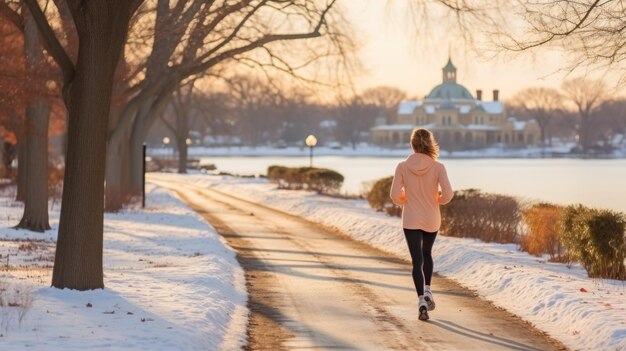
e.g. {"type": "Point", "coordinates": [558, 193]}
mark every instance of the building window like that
{"type": "Point", "coordinates": [520, 137]}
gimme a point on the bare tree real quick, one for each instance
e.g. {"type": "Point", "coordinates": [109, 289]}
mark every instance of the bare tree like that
{"type": "Point", "coordinates": [615, 114]}
{"type": "Point", "coordinates": [593, 32]}
{"type": "Point", "coordinates": [13, 99]}
{"type": "Point", "coordinates": [585, 95]}
{"type": "Point", "coordinates": [541, 104]}
{"type": "Point", "coordinates": [191, 38]}
{"type": "Point", "coordinates": [257, 104]}
{"type": "Point", "coordinates": [102, 27]}
{"type": "Point", "coordinates": [354, 117]}
{"type": "Point", "coordinates": [36, 84]}
{"type": "Point", "coordinates": [386, 98]}
{"type": "Point", "coordinates": [181, 106]}
{"type": "Point", "coordinates": [612, 118]}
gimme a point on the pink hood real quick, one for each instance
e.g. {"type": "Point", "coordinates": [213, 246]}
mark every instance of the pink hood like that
{"type": "Point", "coordinates": [419, 164]}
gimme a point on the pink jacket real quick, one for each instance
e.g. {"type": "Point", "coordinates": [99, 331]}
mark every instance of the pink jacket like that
{"type": "Point", "coordinates": [416, 187]}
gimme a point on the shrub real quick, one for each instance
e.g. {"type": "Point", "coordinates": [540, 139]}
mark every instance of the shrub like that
{"type": "Point", "coordinates": [324, 181]}
{"type": "Point", "coordinates": [379, 199]}
{"type": "Point", "coordinates": [277, 175]}
{"type": "Point", "coordinates": [595, 238]}
{"type": "Point", "coordinates": [542, 235]}
{"type": "Point", "coordinates": [488, 217]}
{"type": "Point", "coordinates": [296, 177]}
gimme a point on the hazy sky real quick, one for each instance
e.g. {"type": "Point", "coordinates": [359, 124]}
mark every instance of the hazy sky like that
{"type": "Point", "coordinates": [393, 55]}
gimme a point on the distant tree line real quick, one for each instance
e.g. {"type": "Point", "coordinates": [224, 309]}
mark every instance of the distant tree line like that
{"type": "Point", "coordinates": [584, 109]}
{"type": "Point", "coordinates": [258, 112]}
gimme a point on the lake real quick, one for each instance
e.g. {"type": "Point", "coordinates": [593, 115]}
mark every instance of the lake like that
{"type": "Point", "coordinates": [598, 183]}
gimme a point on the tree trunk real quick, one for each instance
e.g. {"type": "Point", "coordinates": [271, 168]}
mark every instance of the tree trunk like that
{"type": "Point", "coordinates": [117, 176]}
{"type": "Point", "coordinates": [141, 126]}
{"type": "Point", "coordinates": [137, 138]}
{"type": "Point", "coordinates": [116, 190]}
{"type": "Point", "coordinates": [182, 155]}
{"type": "Point", "coordinates": [35, 215]}
{"type": "Point", "coordinates": [584, 132]}
{"type": "Point", "coordinates": [22, 149]}
{"type": "Point", "coordinates": [102, 28]}
{"type": "Point", "coordinates": [182, 133]}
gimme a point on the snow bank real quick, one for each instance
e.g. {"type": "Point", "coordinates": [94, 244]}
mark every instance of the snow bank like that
{"type": "Point", "coordinates": [171, 284]}
{"type": "Point", "coordinates": [583, 313]}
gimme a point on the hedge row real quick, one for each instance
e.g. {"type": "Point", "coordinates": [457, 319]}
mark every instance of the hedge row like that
{"type": "Point", "coordinates": [322, 180]}
{"type": "Point", "coordinates": [595, 238]}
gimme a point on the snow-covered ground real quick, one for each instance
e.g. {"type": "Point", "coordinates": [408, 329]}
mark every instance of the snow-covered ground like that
{"type": "Point", "coordinates": [171, 284]}
{"type": "Point", "coordinates": [375, 151]}
{"type": "Point", "coordinates": [583, 313]}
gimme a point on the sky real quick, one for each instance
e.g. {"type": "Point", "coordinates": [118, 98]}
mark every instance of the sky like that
{"type": "Point", "coordinates": [394, 54]}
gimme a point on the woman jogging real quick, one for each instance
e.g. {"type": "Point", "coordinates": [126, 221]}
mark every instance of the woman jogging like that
{"type": "Point", "coordinates": [416, 186]}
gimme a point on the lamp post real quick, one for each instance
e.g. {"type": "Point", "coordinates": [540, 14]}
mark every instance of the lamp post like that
{"type": "Point", "coordinates": [166, 143]}
{"type": "Point", "coordinates": [311, 141]}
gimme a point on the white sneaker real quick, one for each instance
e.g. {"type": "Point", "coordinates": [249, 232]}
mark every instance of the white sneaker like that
{"type": "Point", "coordinates": [423, 308]}
{"type": "Point", "coordinates": [430, 301]}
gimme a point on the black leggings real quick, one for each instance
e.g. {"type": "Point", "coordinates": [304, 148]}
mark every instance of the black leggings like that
{"type": "Point", "coordinates": [420, 247]}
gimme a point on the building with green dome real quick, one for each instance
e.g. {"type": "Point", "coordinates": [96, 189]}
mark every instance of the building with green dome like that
{"type": "Point", "coordinates": [458, 119]}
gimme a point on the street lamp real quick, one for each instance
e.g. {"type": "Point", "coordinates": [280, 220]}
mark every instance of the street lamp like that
{"type": "Point", "coordinates": [311, 141]}
{"type": "Point", "coordinates": [166, 143]}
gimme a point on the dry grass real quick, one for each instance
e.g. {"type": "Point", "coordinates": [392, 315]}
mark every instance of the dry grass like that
{"type": "Point", "coordinates": [15, 302]}
{"type": "Point", "coordinates": [542, 235]}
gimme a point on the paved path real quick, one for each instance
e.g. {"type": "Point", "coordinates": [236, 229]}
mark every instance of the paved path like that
{"type": "Point", "coordinates": [313, 288]}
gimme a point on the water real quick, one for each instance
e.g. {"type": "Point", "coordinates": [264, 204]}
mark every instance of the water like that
{"type": "Point", "coordinates": [598, 183]}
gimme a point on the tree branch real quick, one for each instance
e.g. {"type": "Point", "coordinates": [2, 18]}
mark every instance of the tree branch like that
{"type": "Point", "coordinates": [7, 12]}
{"type": "Point", "coordinates": [260, 42]}
{"type": "Point", "coordinates": [53, 45]}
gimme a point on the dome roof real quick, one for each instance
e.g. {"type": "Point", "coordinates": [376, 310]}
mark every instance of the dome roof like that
{"type": "Point", "coordinates": [449, 91]}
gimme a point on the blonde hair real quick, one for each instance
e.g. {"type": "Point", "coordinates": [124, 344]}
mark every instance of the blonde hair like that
{"type": "Point", "coordinates": [423, 142]}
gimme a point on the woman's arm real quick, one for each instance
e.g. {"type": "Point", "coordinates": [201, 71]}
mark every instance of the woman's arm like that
{"type": "Point", "coordinates": [446, 189]}
{"type": "Point", "coordinates": [397, 188]}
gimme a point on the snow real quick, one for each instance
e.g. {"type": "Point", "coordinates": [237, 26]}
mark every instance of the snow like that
{"type": "Point", "coordinates": [430, 109]}
{"type": "Point", "coordinates": [493, 107]}
{"type": "Point", "coordinates": [407, 107]}
{"type": "Point", "coordinates": [400, 127]}
{"type": "Point", "coordinates": [171, 284]}
{"type": "Point", "coordinates": [583, 313]}
{"type": "Point", "coordinates": [465, 108]}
